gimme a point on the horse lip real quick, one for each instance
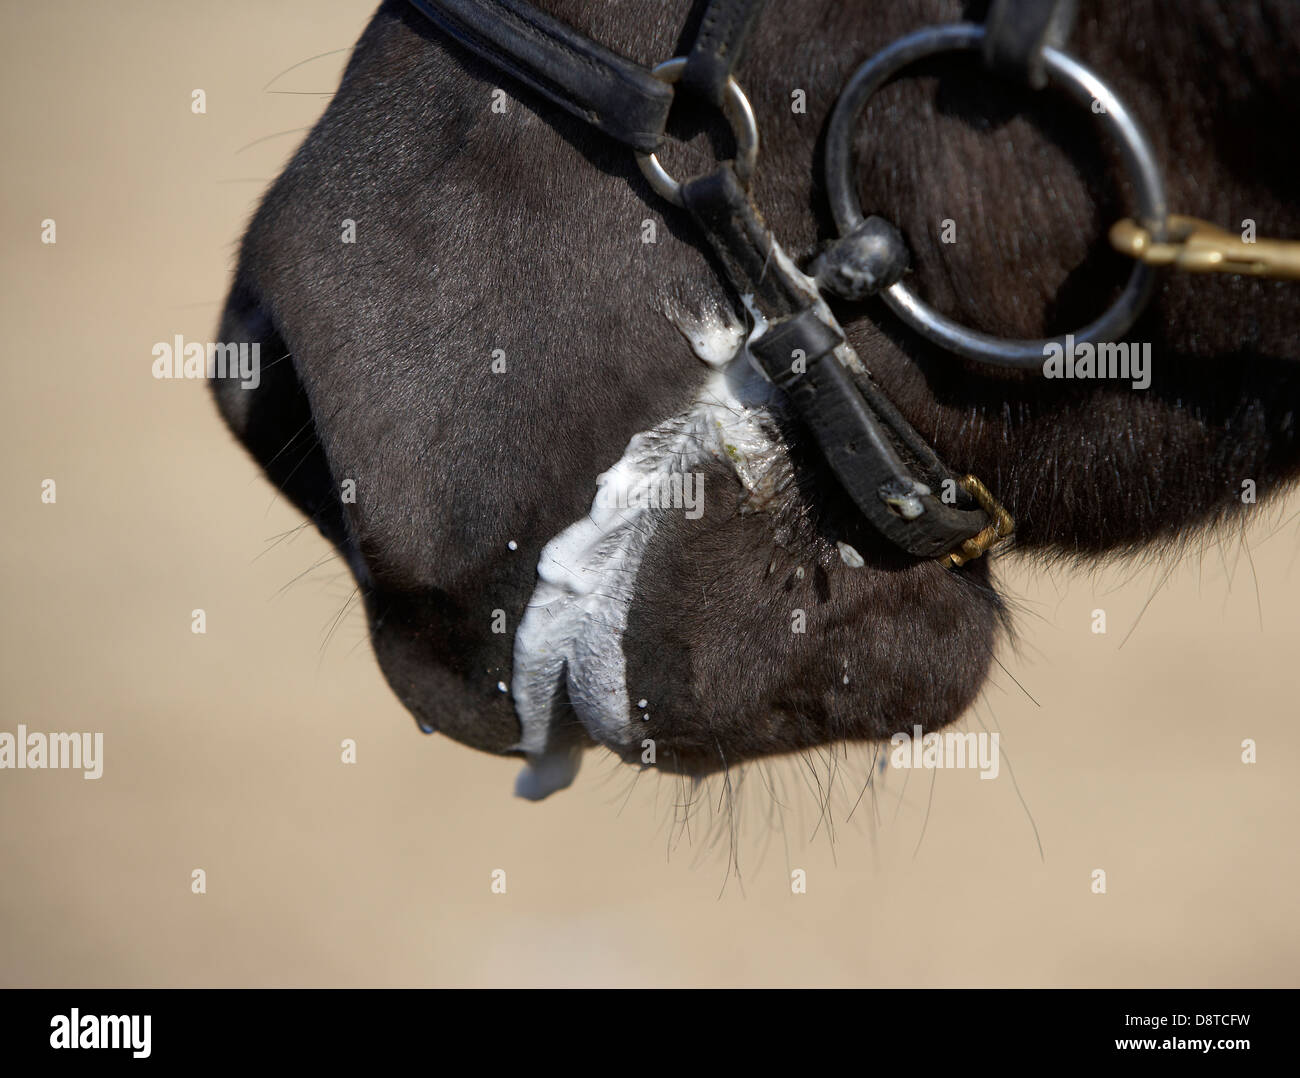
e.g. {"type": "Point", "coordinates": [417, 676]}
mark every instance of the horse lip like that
{"type": "Point", "coordinates": [570, 639]}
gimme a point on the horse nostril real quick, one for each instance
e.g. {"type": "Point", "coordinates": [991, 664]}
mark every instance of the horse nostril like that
{"type": "Point", "coordinates": [274, 418]}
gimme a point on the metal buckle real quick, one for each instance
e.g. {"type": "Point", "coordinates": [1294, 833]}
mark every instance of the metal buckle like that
{"type": "Point", "coordinates": [1084, 86]}
{"type": "Point", "coordinates": [739, 114]}
{"type": "Point", "coordinates": [1003, 524]}
{"type": "Point", "coordinates": [1197, 246]}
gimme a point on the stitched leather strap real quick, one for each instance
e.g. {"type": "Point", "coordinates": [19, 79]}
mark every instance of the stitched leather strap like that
{"type": "Point", "coordinates": [609, 91]}
{"type": "Point", "coordinates": [719, 45]}
{"type": "Point", "coordinates": [1016, 31]}
{"type": "Point", "coordinates": [890, 472]}
{"type": "Point", "coordinates": [720, 206]}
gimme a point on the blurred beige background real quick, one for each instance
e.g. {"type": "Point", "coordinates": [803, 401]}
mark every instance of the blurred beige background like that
{"type": "Point", "coordinates": [222, 750]}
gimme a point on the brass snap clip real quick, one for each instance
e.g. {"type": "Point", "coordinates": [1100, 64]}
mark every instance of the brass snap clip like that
{"type": "Point", "coordinates": [1197, 246]}
{"type": "Point", "coordinates": [1003, 524]}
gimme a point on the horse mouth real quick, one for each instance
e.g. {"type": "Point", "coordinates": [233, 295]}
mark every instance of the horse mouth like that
{"type": "Point", "coordinates": [665, 622]}
{"type": "Point", "coordinates": [568, 649]}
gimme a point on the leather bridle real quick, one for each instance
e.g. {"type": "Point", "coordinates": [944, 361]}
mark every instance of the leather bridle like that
{"type": "Point", "coordinates": [893, 475]}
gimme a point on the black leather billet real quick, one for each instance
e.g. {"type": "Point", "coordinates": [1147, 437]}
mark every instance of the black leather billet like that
{"type": "Point", "coordinates": [612, 93]}
{"type": "Point", "coordinates": [1016, 31]}
{"type": "Point", "coordinates": [788, 346]}
{"type": "Point", "coordinates": [719, 46]}
{"type": "Point", "coordinates": [723, 210]}
{"type": "Point", "coordinates": [866, 461]}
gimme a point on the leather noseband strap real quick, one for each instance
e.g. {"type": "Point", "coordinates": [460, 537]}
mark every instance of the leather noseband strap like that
{"type": "Point", "coordinates": [610, 92]}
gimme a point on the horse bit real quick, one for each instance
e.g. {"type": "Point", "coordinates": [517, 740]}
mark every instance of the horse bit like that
{"type": "Point", "coordinates": [886, 467]}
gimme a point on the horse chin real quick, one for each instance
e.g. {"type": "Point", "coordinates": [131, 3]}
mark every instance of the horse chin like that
{"type": "Point", "coordinates": [692, 644]}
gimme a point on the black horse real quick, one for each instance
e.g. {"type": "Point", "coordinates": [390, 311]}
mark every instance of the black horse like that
{"type": "Point", "coordinates": [484, 304]}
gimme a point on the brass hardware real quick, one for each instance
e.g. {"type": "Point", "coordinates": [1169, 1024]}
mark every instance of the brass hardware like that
{"type": "Point", "coordinates": [1197, 246]}
{"type": "Point", "coordinates": [1003, 525]}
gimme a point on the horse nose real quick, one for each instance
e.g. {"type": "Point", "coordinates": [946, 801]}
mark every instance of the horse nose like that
{"type": "Point", "coordinates": [437, 665]}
